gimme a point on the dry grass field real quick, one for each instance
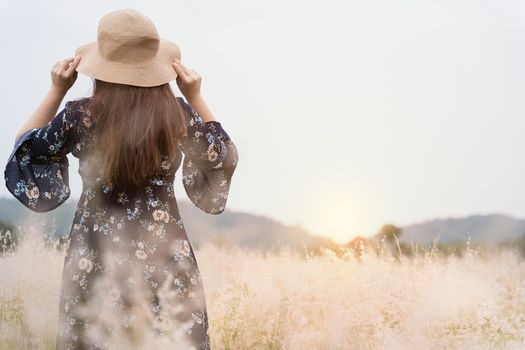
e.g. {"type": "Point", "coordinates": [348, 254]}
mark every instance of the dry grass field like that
{"type": "Point", "coordinates": [289, 301]}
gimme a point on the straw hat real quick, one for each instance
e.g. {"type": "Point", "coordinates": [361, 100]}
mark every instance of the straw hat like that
{"type": "Point", "coordinates": [129, 51]}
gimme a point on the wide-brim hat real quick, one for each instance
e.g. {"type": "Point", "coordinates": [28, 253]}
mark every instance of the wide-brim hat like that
{"type": "Point", "coordinates": [129, 51]}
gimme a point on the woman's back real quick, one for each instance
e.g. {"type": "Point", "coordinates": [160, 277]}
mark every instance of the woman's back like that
{"type": "Point", "coordinates": [129, 269]}
{"type": "Point", "coordinates": [85, 138]}
{"type": "Point", "coordinates": [132, 243]}
{"type": "Point", "coordinates": [210, 156]}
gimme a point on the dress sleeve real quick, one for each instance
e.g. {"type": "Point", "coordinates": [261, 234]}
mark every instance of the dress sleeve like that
{"type": "Point", "coordinates": [36, 172]}
{"type": "Point", "coordinates": [210, 159]}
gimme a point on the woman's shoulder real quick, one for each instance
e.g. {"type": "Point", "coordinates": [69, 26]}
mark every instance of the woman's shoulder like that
{"type": "Point", "coordinates": [78, 109]}
{"type": "Point", "coordinates": [79, 116]}
{"type": "Point", "coordinates": [77, 104]}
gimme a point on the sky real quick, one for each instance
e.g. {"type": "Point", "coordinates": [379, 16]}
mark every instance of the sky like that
{"type": "Point", "coordinates": [346, 114]}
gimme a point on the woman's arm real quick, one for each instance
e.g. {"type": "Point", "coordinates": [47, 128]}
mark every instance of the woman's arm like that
{"type": "Point", "coordinates": [210, 156]}
{"type": "Point", "coordinates": [44, 112]}
{"type": "Point", "coordinates": [63, 76]}
{"type": "Point", "coordinates": [197, 102]}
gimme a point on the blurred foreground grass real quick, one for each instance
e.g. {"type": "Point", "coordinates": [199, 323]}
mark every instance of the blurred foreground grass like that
{"type": "Point", "coordinates": [288, 301]}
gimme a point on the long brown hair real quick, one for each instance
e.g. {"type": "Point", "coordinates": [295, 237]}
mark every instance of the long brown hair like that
{"type": "Point", "coordinates": [135, 127]}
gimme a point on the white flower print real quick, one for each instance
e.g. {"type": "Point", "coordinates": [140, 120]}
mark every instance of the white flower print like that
{"type": "Point", "coordinates": [133, 214]}
{"type": "Point", "coordinates": [87, 122]}
{"type": "Point", "coordinates": [153, 202]}
{"type": "Point", "coordinates": [122, 198]}
{"type": "Point", "coordinates": [160, 231]}
{"type": "Point", "coordinates": [157, 214]}
{"type": "Point", "coordinates": [165, 164]}
{"type": "Point", "coordinates": [186, 247]}
{"type": "Point", "coordinates": [212, 153]}
{"type": "Point", "coordinates": [161, 215]}
{"type": "Point", "coordinates": [141, 254]}
{"type": "Point", "coordinates": [180, 250]}
{"type": "Point", "coordinates": [85, 264]}
{"type": "Point", "coordinates": [33, 192]}
{"type": "Point", "coordinates": [107, 187]}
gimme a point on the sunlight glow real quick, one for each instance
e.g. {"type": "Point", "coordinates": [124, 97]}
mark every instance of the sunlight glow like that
{"type": "Point", "coordinates": [337, 216]}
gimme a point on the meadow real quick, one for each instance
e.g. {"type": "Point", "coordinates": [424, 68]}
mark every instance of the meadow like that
{"type": "Point", "coordinates": [286, 300]}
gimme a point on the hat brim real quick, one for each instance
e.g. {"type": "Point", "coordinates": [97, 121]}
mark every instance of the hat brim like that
{"type": "Point", "coordinates": [155, 71]}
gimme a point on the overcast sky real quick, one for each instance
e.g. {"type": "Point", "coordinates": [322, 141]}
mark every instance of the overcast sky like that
{"type": "Point", "coordinates": [347, 114]}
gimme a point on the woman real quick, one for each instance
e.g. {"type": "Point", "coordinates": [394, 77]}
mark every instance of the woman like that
{"type": "Point", "coordinates": [130, 275]}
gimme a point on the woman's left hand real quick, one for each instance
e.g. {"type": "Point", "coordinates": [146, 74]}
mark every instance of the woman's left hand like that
{"type": "Point", "coordinates": [64, 75]}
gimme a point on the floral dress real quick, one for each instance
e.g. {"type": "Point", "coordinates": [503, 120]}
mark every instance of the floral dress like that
{"type": "Point", "coordinates": [130, 278]}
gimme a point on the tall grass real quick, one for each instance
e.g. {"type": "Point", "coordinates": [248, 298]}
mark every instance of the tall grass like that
{"type": "Point", "coordinates": [289, 301]}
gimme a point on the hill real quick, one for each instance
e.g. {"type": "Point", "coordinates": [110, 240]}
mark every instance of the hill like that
{"type": "Point", "coordinates": [255, 231]}
{"type": "Point", "coordinates": [488, 229]}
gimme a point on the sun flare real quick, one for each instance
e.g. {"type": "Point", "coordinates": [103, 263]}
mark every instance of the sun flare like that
{"type": "Point", "coordinates": [337, 218]}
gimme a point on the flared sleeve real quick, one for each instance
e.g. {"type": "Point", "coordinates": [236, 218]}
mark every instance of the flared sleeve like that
{"type": "Point", "coordinates": [210, 159]}
{"type": "Point", "coordinates": [36, 172]}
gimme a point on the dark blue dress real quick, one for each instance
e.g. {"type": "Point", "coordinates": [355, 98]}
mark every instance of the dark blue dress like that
{"type": "Point", "coordinates": [130, 271]}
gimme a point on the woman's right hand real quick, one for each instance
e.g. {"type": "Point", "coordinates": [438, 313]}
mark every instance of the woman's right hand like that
{"type": "Point", "coordinates": [64, 74]}
{"type": "Point", "coordinates": [188, 80]}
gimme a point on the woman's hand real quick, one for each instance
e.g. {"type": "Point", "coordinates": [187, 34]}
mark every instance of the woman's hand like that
{"type": "Point", "coordinates": [188, 80]}
{"type": "Point", "coordinates": [64, 75]}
